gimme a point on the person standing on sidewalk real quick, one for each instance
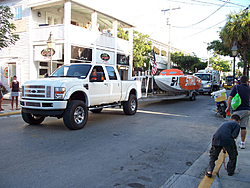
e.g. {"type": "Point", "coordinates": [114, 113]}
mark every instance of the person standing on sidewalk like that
{"type": "Point", "coordinates": [225, 137]}
{"type": "Point", "coordinates": [1, 97]}
{"type": "Point", "coordinates": [243, 110]}
{"type": "Point", "coordinates": [14, 85]}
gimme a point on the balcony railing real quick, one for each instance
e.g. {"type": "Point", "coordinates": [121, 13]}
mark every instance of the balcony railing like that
{"type": "Point", "coordinates": [79, 36]}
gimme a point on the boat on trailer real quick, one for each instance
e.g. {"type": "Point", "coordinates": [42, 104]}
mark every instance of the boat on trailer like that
{"type": "Point", "coordinates": [174, 81]}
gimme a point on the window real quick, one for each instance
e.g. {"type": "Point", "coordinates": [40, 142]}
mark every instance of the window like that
{"type": "Point", "coordinates": [81, 54]}
{"type": "Point", "coordinates": [122, 59]}
{"type": "Point", "coordinates": [111, 73]}
{"type": "Point", "coordinates": [18, 13]}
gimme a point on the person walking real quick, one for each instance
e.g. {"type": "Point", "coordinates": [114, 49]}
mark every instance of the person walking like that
{"type": "Point", "coordinates": [243, 110]}
{"type": "Point", "coordinates": [224, 138]}
{"type": "Point", "coordinates": [14, 85]}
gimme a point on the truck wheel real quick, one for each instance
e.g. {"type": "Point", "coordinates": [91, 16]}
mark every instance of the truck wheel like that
{"type": "Point", "coordinates": [32, 119]}
{"type": "Point", "coordinates": [130, 106]}
{"type": "Point", "coordinates": [96, 110]}
{"type": "Point", "coordinates": [224, 114]}
{"type": "Point", "coordinates": [76, 115]}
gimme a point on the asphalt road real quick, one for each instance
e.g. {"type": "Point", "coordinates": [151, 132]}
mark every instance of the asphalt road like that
{"type": "Point", "coordinates": [113, 150]}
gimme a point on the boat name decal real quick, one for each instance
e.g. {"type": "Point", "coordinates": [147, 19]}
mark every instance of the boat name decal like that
{"type": "Point", "coordinates": [190, 81]}
{"type": "Point", "coordinates": [174, 81]}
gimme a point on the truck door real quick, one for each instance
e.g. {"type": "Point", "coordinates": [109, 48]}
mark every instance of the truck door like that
{"type": "Point", "coordinates": [98, 91]}
{"type": "Point", "coordinates": [115, 84]}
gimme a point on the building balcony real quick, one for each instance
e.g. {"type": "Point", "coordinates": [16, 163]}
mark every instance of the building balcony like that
{"type": "Point", "coordinates": [79, 36]}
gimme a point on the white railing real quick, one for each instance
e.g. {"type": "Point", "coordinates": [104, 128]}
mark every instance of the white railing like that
{"type": "Point", "coordinates": [42, 33]}
{"type": "Point", "coordinates": [79, 36]}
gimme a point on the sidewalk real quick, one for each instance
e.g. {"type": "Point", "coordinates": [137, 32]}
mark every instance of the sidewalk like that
{"type": "Point", "coordinates": [195, 176]}
{"type": "Point", "coordinates": [6, 105]}
{"type": "Point", "coordinates": [241, 178]}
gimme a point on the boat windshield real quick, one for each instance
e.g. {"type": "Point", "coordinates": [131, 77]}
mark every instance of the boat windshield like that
{"type": "Point", "coordinates": [73, 70]}
{"type": "Point", "coordinates": [205, 77]}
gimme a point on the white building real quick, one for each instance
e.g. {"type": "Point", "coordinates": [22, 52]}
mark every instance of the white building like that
{"type": "Point", "coordinates": [30, 57]}
{"type": "Point", "coordinates": [161, 51]}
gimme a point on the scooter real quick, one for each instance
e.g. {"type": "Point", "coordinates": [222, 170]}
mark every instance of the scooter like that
{"type": "Point", "coordinates": [220, 98]}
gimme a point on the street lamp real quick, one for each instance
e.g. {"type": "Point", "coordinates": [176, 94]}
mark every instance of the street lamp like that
{"type": "Point", "coordinates": [234, 53]}
{"type": "Point", "coordinates": [51, 45]}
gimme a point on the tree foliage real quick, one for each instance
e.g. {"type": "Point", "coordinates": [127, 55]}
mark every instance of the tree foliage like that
{"type": "Point", "coordinates": [7, 37]}
{"type": "Point", "coordinates": [237, 29]}
{"type": "Point", "coordinates": [142, 52]}
{"type": "Point", "coordinates": [187, 63]}
{"type": "Point", "coordinates": [218, 64]}
{"type": "Point", "coordinates": [219, 48]}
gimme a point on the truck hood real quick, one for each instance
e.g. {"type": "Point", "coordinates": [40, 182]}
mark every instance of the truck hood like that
{"type": "Point", "coordinates": [55, 82]}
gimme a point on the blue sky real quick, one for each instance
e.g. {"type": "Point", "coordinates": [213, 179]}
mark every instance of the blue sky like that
{"type": "Point", "coordinates": [190, 20]}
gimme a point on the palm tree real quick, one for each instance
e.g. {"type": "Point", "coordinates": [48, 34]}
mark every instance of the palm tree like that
{"type": "Point", "coordinates": [238, 28]}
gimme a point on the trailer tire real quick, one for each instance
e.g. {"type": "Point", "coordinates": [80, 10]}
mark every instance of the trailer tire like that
{"type": "Point", "coordinates": [130, 106]}
{"type": "Point", "coordinates": [76, 115]}
{"type": "Point", "coordinates": [32, 119]}
{"type": "Point", "coordinates": [193, 97]}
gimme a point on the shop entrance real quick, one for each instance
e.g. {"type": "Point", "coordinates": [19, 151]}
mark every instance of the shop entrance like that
{"type": "Point", "coordinates": [12, 71]}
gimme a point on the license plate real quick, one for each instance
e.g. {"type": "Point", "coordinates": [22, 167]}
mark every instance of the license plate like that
{"type": "Point", "coordinates": [222, 104]}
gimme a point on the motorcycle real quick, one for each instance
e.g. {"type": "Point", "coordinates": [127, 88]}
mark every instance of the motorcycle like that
{"type": "Point", "coordinates": [220, 98]}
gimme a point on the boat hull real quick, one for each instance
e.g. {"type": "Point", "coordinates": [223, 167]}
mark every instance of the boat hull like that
{"type": "Point", "coordinates": [175, 83]}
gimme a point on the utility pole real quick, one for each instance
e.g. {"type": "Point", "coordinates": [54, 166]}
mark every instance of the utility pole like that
{"type": "Point", "coordinates": [169, 24]}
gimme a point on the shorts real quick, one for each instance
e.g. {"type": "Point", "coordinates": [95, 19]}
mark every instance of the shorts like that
{"type": "Point", "coordinates": [1, 94]}
{"type": "Point", "coordinates": [14, 94]}
{"type": "Point", "coordinates": [244, 117]}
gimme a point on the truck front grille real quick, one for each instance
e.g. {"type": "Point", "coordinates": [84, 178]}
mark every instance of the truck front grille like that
{"type": "Point", "coordinates": [36, 91]}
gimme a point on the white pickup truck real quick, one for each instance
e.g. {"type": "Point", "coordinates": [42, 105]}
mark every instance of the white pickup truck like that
{"type": "Point", "coordinates": [72, 90]}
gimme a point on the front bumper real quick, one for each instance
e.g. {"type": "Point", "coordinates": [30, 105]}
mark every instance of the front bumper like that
{"type": "Point", "coordinates": [204, 90]}
{"type": "Point", "coordinates": [43, 104]}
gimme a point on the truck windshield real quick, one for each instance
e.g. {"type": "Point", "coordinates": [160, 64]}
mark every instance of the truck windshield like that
{"type": "Point", "coordinates": [72, 71]}
{"type": "Point", "coordinates": [205, 77]}
{"type": "Point", "coordinates": [229, 78]}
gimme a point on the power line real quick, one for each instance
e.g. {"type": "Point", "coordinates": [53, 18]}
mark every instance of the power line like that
{"type": "Point", "coordinates": [232, 3]}
{"type": "Point", "coordinates": [204, 18]}
{"type": "Point", "coordinates": [204, 30]}
{"type": "Point", "coordinates": [201, 3]}
{"type": "Point", "coordinates": [209, 27]}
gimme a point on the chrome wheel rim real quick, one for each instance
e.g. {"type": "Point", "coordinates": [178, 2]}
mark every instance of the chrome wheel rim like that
{"type": "Point", "coordinates": [133, 105]}
{"type": "Point", "coordinates": [79, 115]}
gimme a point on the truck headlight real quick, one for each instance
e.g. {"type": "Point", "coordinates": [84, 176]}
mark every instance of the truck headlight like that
{"type": "Point", "coordinates": [59, 92]}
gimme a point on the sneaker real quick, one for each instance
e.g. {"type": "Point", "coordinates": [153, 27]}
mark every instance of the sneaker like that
{"type": "Point", "coordinates": [242, 145]}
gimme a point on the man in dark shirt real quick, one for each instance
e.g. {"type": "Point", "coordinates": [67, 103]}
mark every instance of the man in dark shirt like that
{"type": "Point", "coordinates": [243, 110]}
{"type": "Point", "coordinates": [224, 137]}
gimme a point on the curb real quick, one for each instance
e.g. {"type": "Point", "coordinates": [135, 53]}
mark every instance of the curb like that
{"type": "Point", "coordinates": [206, 181]}
{"type": "Point", "coordinates": [10, 113]}
{"type": "Point", "coordinates": [195, 175]}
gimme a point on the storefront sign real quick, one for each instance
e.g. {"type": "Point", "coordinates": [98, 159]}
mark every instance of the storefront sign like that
{"type": "Point", "coordinates": [105, 57]}
{"type": "Point", "coordinates": [47, 52]}
{"type": "Point", "coordinates": [42, 53]}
